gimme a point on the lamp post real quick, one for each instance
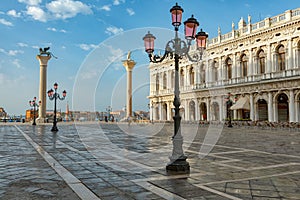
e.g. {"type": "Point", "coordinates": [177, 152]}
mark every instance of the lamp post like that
{"type": "Point", "coordinates": [53, 95]}
{"type": "Point", "coordinates": [108, 110]}
{"type": "Point", "coordinates": [228, 105]}
{"type": "Point", "coordinates": [176, 49]}
{"type": "Point", "coordinates": [34, 105]}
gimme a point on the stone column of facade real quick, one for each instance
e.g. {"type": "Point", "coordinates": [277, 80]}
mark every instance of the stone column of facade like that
{"type": "Point", "coordinates": [221, 107]}
{"type": "Point", "coordinates": [292, 106]}
{"type": "Point", "coordinates": [197, 112]}
{"type": "Point", "coordinates": [290, 56]}
{"type": "Point", "coordinates": [186, 110]}
{"type": "Point", "coordinates": [154, 111]}
{"type": "Point", "coordinates": [43, 86]}
{"type": "Point", "coordinates": [208, 109]}
{"type": "Point", "coordinates": [297, 110]}
{"type": "Point", "coordinates": [251, 107]}
{"type": "Point", "coordinates": [269, 61]}
{"type": "Point", "coordinates": [250, 67]}
{"type": "Point", "coordinates": [270, 107]}
{"type": "Point", "coordinates": [129, 65]}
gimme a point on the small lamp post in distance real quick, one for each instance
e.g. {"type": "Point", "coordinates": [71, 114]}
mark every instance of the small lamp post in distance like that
{"type": "Point", "coordinates": [34, 105]}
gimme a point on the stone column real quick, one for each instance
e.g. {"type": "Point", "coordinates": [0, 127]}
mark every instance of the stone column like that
{"type": "Point", "coordinates": [270, 107]}
{"type": "Point", "coordinates": [43, 86]}
{"type": "Point", "coordinates": [197, 112]}
{"type": "Point", "coordinates": [251, 107]}
{"type": "Point", "coordinates": [290, 57]}
{"type": "Point", "coordinates": [129, 64]}
{"type": "Point", "coordinates": [292, 106]}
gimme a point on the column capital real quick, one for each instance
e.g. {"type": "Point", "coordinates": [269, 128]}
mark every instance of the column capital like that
{"type": "Point", "coordinates": [43, 59]}
{"type": "Point", "coordinates": [129, 64]}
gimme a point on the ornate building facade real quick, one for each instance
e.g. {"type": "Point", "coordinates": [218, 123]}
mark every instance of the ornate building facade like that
{"type": "Point", "coordinates": [256, 66]}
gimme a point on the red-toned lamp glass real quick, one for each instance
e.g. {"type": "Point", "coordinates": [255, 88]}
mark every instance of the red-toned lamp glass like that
{"type": "Point", "coordinates": [190, 28]}
{"type": "Point", "coordinates": [64, 93]}
{"type": "Point", "coordinates": [55, 86]}
{"type": "Point", "coordinates": [176, 12]}
{"type": "Point", "coordinates": [149, 42]}
{"type": "Point", "coordinates": [49, 93]}
{"type": "Point", "coordinates": [201, 39]}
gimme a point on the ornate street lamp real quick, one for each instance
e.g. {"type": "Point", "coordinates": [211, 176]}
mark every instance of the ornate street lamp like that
{"type": "Point", "coordinates": [108, 110]}
{"type": "Point", "coordinates": [52, 94]}
{"type": "Point", "coordinates": [228, 105]}
{"type": "Point", "coordinates": [34, 105]}
{"type": "Point", "coordinates": [177, 48]}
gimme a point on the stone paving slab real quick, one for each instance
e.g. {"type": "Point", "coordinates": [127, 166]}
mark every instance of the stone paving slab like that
{"type": "Point", "coordinates": [117, 161]}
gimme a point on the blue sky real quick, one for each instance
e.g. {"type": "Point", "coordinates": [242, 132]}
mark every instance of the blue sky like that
{"type": "Point", "coordinates": [91, 38]}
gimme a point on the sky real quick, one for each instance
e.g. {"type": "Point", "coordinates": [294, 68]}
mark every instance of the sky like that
{"type": "Point", "coordinates": [91, 38]}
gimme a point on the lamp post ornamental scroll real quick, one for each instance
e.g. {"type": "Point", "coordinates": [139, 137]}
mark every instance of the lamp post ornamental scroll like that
{"type": "Point", "coordinates": [177, 49]}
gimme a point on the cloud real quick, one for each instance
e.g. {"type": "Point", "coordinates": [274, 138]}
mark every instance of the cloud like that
{"type": "Point", "coordinates": [88, 47]}
{"type": "Point", "coordinates": [14, 13]}
{"type": "Point", "coordinates": [11, 52]}
{"type": "Point", "coordinates": [130, 11]}
{"type": "Point", "coordinates": [6, 23]}
{"type": "Point", "coordinates": [31, 2]}
{"type": "Point", "coordinates": [14, 52]}
{"type": "Point", "coordinates": [21, 44]}
{"type": "Point", "coordinates": [16, 62]}
{"type": "Point", "coordinates": [112, 30]}
{"type": "Point", "coordinates": [118, 2]}
{"type": "Point", "coordinates": [55, 30]}
{"type": "Point", "coordinates": [37, 13]}
{"type": "Point", "coordinates": [105, 7]}
{"type": "Point", "coordinates": [63, 9]}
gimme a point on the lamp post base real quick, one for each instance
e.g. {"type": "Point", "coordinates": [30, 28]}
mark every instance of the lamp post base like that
{"type": "Point", "coordinates": [54, 129]}
{"type": "Point", "coordinates": [179, 166]}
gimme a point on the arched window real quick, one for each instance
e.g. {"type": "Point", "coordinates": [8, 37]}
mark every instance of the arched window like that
{"type": "Point", "coordinates": [229, 68]}
{"type": "Point", "coordinates": [192, 75]}
{"type": "Point", "coordinates": [215, 71]}
{"type": "Point", "coordinates": [181, 78]}
{"type": "Point", "coordinates": [281, 58]}
{"type": "Point", "coordinates": [244, 65]}
{"type": "Point", "coordinates": [157, 82]}
{"type": "Point", "coordinates": [165, 81]}
{"type": "Point", "coordinates": [261, 62]}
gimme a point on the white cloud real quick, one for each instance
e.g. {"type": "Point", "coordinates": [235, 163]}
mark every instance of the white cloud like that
{"type": "Point", "coordinates": [16, 62]}
{"type": "Point", "coordinates": [6, 23]}
{"type": "Point", "coordinates": [112, 30]}
{"type": "Point", "coordinates": [105, 7]}
{"type": "Point", "coordinates": [11, 52]}
{"type": "Point", "coordinates": [55, 30]}
{"type": "Point", "coordinates": [13, 13]}
{"type": "Point", "coordinates": [88, 47]}
{"type": "Point", "coordinates": [14, 52]}
{"type": "Point", "coordinates": [63, 9]}
{"type": "Point", "coordinates": [31, 2]}
{"type": "Point", "coordinates": [130, 11]}
{"type": "Point", "coordinates": [21, 44]}
{"type": "Point", "coordinates": [118, 2]}
{"type": "Point", "coordinates": [36, 13]}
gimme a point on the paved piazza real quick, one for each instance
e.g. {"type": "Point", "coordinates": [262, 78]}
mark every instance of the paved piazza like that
{"type": "Point", "coordinates": [118, 161]}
